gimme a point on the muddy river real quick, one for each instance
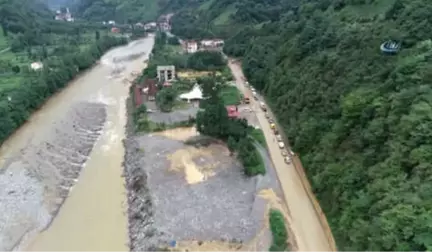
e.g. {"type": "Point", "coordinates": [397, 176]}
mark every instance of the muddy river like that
{"type": "Point", "coordinates": [93, 215]}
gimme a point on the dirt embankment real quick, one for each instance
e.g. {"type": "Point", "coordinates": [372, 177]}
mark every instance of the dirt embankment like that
{"type": "Point", "coordinates": [36, 181]}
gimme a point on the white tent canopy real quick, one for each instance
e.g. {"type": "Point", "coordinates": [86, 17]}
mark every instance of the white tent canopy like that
{"type": "Point", "coordinates": [194, 94]}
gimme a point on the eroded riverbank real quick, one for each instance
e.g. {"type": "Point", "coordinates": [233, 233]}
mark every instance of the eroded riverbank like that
{"type": "Point", "coordinates": [93, 215]}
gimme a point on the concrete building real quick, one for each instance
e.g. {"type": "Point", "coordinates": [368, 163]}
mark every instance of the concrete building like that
{"type": "Point", "coordinates": [211, 43]}
{"type": "Point", "coordinates": [165, 73]}
{"type": "Point", "coordinates": [150, 26]}
{"type": "Point", "coordinates": [67, 16]}
{"type": "Point", "coordinates": [191, 46]}
{"type": "Point", "coordinates": [36, 66]}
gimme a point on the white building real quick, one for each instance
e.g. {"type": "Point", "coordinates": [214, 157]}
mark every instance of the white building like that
{"type": "Point", "coordinates": [151, 25]}
{"type": "Point", "coordinates": [195, 94]}
{"type": "Point", "coordinates": [191, 46]}
{"type": "Point", "coordinates": [36, 66]}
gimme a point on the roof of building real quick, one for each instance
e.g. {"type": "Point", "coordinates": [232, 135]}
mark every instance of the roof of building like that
{"type": "Point", "coordinates": [194, 94]}
{"type": "Point", "coordinates": [150, 84]}
{"type": "Point", "coordinates": [36, 65]}
{"type": "Point", "coordinates": [232, 111]}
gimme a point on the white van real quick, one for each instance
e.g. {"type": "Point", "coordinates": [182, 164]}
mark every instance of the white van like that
{"type": "Point", "coordinates": [281, 145]}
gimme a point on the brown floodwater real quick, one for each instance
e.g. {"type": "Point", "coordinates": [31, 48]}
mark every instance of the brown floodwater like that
{"type": "Point", "coordinates": [93, 217]}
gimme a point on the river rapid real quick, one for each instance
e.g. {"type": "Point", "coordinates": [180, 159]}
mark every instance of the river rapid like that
{"type": "Point", "coordinates": [93, 216]}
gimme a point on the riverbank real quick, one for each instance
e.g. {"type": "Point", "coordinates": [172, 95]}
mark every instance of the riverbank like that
{"type": "Point", "coordinates": [37, 181]}
{"type": "Point", "coordinates": [23, 99]}
{"type": "Point", "coordinates": [47, 154]}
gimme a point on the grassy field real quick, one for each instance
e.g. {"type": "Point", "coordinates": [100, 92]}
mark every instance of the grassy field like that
{"type": "Point", "coordinates": [224, 17]}
{"type": "Point", "coordinates": [230, 95]}
{"type": "Point", "coordinates": [194, 74]}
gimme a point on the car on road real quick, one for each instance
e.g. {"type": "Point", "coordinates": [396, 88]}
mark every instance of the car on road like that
{"type": "Point", "coordinates": [287, 160]}
{"type": "Point", "coordinates": [284, 153]}
{"type": "Point", "coordinates": [267, 115]}
{"type": "Point", "coordinates": [271, 121]}
{"type": "Point", "coordinates": [252, 89]}
{"type": "Point", "coordinates": [281, 145]}
{"type": "Point", "coordinates": [279, 138]}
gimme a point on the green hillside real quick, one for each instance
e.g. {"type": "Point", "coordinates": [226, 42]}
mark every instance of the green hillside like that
{"type": "Point", "coordinates": [360, 120]}
{"type": "Point", "coordinates": [119, 10]}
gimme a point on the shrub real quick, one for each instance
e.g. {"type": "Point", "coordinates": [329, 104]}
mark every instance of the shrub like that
{"type": "Point", "coordinates": [279, 232]}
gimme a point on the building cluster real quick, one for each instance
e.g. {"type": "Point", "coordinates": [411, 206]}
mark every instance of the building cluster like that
{"type": "Point", "coordinates": [164, 23]}
{"type": "Point", "coordinates": [64, 16]}
{"type": "Point", "coordinates": [192, 46]}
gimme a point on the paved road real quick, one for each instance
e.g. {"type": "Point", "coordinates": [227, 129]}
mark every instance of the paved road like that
{"type": "Point", "coordinates": [306, 226]}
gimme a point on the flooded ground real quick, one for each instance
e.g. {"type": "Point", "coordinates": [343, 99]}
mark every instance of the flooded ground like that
{"type": "Point", "coordinates": [93, 216]}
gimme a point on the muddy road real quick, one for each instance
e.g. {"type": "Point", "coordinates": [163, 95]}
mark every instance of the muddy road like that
{"type": "Point", "coordinates": [61, 184]}
{"type": "Point", "coordinates": [305, 223]}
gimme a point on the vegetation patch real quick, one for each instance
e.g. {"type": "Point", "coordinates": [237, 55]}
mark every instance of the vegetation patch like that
{"type": "Point", "coordinates": [213, 121]}
{"type": "Point", "coordinates": [257, 135]}
{"type": "Point", "coordinates": [279, 231]}
{"type": "Point", "coordinates": [230, 95]}
{"type": "Point", "coordinates": [225, 17]}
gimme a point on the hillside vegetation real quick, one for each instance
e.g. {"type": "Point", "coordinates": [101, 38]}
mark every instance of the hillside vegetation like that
{"type": "Point", "coordinates": [360, 120]}
{"type": "Point", "coordinates": [119, 10]}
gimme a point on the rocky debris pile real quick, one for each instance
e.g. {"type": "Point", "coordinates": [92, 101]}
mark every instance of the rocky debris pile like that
{"type": "Point", "coordinates": [224, 207]}
{"type": "Point", "coordinates": [49, 168]}
{"type": "Point", "coordinates": [142, 233]}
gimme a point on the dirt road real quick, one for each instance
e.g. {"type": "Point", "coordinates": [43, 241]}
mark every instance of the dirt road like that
{"type": "Point", "coordinates": [306, 226]}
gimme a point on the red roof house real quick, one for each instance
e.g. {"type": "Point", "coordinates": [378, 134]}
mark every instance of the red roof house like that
{"type": "Point", "coordinates": [138, 96]}
{"type": "Point", "coordinates": [232, 111]}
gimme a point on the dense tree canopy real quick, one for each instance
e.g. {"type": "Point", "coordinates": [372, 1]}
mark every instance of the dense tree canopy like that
{"type": "Point", "coordinates": [360, 120]}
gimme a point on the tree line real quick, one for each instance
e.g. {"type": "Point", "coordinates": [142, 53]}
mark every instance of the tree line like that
{"type": "Point", "coordinates": [213, 121]}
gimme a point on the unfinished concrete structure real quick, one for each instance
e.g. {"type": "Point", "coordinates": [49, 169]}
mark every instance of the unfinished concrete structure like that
{"type": "Point", "coordinates": [165, 73]}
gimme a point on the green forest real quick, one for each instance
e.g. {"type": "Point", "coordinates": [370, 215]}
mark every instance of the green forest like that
{"type": "Point", "coordinates": [29, 34]}
{"type": "Point", "coordinates": [360, 120]}
{"type": "Point", "coordinates": [130, 11]}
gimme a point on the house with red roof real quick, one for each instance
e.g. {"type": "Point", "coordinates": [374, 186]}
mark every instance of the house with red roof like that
{"type": "Point", "coordinates": [232, 111]}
